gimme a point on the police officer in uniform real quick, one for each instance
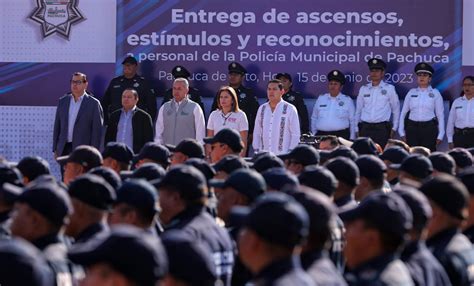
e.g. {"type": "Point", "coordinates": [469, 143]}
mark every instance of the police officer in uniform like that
{"type": "Point", "coordinates": [182, 195]}
{"type": "Point", "coordinates": [333, 112]}
{"type": "Point", "coordinates": [11, 176]}
{"type": "Point", "coordinates": [295, 98]}
{"type": "Point", "coordinates": [423, 266]}
{"type": "Point", "coordinates": [449, 200]}
{"type": "Point", "coordinates": [112, 99]}
{"type": "Point", "coordinates": [194, 94]}
{"type": "Point", "coordinates": [467, 178]}
{"type": "Point", "coordinates": [247, 100]}
{"type": "Point", "coordinates": [42, 211]}
{"type": "Point", "coordinates": [376, 229]}
{"type": "Point", "coordinates": [460, 127]}
{"type": "Point", "coordinates": [424, 107]}
{"type": "Point", "coordinates": [375, 102]}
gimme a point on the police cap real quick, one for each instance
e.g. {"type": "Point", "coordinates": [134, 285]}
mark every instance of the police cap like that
{"type": "Point", "coordinates": [279, 178]}
{"type": "Point", "coordinates": [92, 190]}
{"type": "Point", "coordinates": [188, 181]}
{"type": "Point", "coordinates": [84, 155]}
{"type": "Point", "coordinates": [118, 151]}
{"type": "Point", "coordinates": [140, 194]}
{"type": "Point", "coordinates": [190, 148]}
{"type": "Point", "coordinates": [345, 170]}
{"type": "Point", "coordinates": [371, 167]}
{"type": "Point", "coordinates": [462, 157]}
{"type": "Point", "coordinates": [33, 166]}
{"type": "Point", "coordinates": [364, 146]}
{"type": "Point", "coordinates": [267, 161]}
{"type": "Point", "coordinates": [180, 71]}
{"type": "Point", "coordinates": [303, 154]}
{"type": "Point", "coordinates": [245, 181]}
{"type": "Point", "coordinates": [376, 64]}
{"type": "Point", "coordinates": [148, 172]}
{"type": "Point", "coordinates": [155, 152]}
{"type": "Point", "coordinates": [227, 136]}
{"type": "Point", "coordinates": [130, 60]}
{"type": "Point", "coordinates": [318, 178]}
{"type": "Point", "coordinates": [230, 163]}
{"type": "Point", "coordinates": [108, 175]}
{"type": "Point", "coordinates": [443, 162]}
{"type": "Point", "coordinates": [235, 67]}
{"type": "Point", "coordinates": [394, 154]}
{"type": "Point", "coordinates": [418, 204]}
{"type": "Point", "coordinates": [336, 75]}
{"type": "Point", "coordinates": [416, 165]}
{"type": "Point", "coordinates": [424, 68]}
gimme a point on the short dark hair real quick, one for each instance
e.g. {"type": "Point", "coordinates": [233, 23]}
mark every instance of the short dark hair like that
{"type": "Point", "coordinates": [83, 75]}
{"type": "Point", "coordinates": [134, 91]}
{"type": "Point", "coordinates": [333, 141]}
{"type": "Point", "coordinates": [277, 81]}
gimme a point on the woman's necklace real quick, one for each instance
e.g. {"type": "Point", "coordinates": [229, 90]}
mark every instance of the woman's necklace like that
{"type": "Point", "coordinates": [225, 116]}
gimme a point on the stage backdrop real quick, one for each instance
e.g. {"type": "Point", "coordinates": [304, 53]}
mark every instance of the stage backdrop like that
{"type": "Point", "coordinates": [42, 42]}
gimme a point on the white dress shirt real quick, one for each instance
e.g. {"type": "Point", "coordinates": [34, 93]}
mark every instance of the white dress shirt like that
{"type": "Point", "coordinates": [276, 131]}
{"type": "Point", "coordinates": [424, 104]}
{"type": "Point", "coordinates": [461, 116]}
{"type": "Point", "coordinates": [376, 103]}
{"type": "Point", "coordinates": [233, 120]}
{"type": "Point", "coordinates": [199, 123]}
{"type": "Point", "coordinates": [333, 114]}
{"type": "Point", "coordinates": [74, 107]}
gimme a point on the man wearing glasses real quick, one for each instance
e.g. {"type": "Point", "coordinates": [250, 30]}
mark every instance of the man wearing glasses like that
{"type": "Point", "coordinates": [79, 119]}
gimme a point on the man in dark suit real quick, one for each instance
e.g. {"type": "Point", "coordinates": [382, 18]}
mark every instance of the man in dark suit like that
{"type": "Point", "coordinates": [130, 124]}
{"type": "Point", "coordinates": [79, 119]}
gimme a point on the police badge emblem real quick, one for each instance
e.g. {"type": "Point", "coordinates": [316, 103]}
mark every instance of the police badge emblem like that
{"type": "Point", "coordinates": [291, 98]}
{"type": "Point", "coordinates": [341, 103]}
{"type": "Point", "coordinates": [56, 16]}
{"type": "Point", "coordinates": [243, 95]}
{"type": "Point", "coordinates": [384, 92]}
{"type": "Point", "coordinates": [136, 84]}
{"type": "Point", "coordinates": [431, 95]}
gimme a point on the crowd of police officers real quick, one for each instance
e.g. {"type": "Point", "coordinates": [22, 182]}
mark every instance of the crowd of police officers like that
{"type": "Point", "coordinates": [370, 211]}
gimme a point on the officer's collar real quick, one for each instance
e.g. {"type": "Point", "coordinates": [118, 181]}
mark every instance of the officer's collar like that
{"type": "Point", "coordinates": [90, 231]}
{"type": "Point", "coordinates": [379, 263]}
{"type": "Point", "coordinates": [344, 200]}
{"type": "Point", "coordinates": [274, 270]}
{"type": "Point", "coordinates": [131, 110]}
{"type": "Point", "coordinates": [411, 248]}
{"type": "Point", "coordinates": [442, 237]}
{"type": "Point", "coordinates": [42, 242]}
{"type": "Point", "coordinates": [429, 88]}
{"type": "Point", "coordinates": [4, 216]}
{"type": "Point", "coordinates": [308, 258]}
{"type": "Point", "coordinates": [189, 212]}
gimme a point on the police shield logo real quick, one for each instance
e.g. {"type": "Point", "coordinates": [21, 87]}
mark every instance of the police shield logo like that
{"type": "Point", "coordinates": [56, 16]}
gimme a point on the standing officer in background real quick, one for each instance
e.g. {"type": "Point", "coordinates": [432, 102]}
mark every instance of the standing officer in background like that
{"type": "Point", "coordinates": [333, 112]}
{"type": "Point", "coordinates": [194, 94]}
{"type": "Point", "coordinates": [79, 119]}
{"type": "Point", "coordinates": [247, 100]}
{"type": "Point", "coordinates": [112, 99]}
{"type": "Point", "coordinates": [460, 127]}
{"type": "Point", "coordinates": [375, 102]}
{"type": "Point", "coordinates": [295, 98]}
{"type": "Point", "coordinates": [425, 110]}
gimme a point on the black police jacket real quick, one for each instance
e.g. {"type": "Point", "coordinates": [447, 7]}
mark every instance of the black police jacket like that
{"type": "Point", "coordinates": [321, 269]}
{"type": "Point", "coordinates": [91, 231]}
{"type": "Point", "coordinates": [283, 272]}
{"type": "Point", "coordinates": [455, 253]}
{"type": "Point", "coordinates": [112, 99]}
{"type": "Point", "coordinates": [297, 100]}
{"type": "Point", "coordinates": [197, 223]}
{"type": "Point", "coordinates": [423, 266]}
{"type": "Point", "coordinates": [5, 222]}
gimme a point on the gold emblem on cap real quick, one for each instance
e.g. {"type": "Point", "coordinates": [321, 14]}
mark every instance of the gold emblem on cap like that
{"type": "Point", "coordinates": [178, 69]}
{"type": "Point", "coordinates": [374, 61]}
{"type": "Point", "coordinates": [234, 65]}
{"type": "Point", "coordinates": [334, 72]}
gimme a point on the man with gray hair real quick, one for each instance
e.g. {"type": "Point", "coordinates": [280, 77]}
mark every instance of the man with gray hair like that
{"type": "Point", "coordinates": [179, 118]}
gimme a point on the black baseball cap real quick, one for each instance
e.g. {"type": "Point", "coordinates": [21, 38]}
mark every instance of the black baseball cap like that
{"type": "Point", "coordinates": [443, 162]}
{"type": "Point", "coordinates": [394, 154]}
{"type": "Point", "coordinates": [388, 213]}
{"type": "Point", "coordinates": [229, 137]}
{"type": "Point", "coordinates": [467, 178]}
{"type": "Point", "coordinates": [266, 161]}
{"type": "Point", "coordinates": [137, 255]}
{"type": "Point", "coordinates": [118, 151]}
{"type": "Point", "coordinates": [190, 148]}
{"type": "Point", "coordinates": [341, 151]}
{"type": "Point", "coordinates": [345, 170]}
{"type": "Point", "coordinates": [418, 204]}
{"type": "Point", "coordinates": [376, 64]}
{"type": "Point", "coordinates": [33, 166]}
{"type": "Point", "coordinates": [189, 260]}
{"type": "Point", "coordinates": [155, 152]}
{"type": "Point", "coordinates": [109, 175]}
{"type": "Point", "coordinates": [130, 60]}
{"type": "Point", "coordinates": [371, 167]}
{"type": "Point", "coordinates": [449, 194]}
{"type": "Point", "coordinates": [230, 163]}
{"type": "Point", "coordinates": [416, 165]}
{"type": "Point", "coordinates": [245, 181]}
{"type": "Point", "coordinates": [203, 166]}
{"type": "Point", "coordinates": [148, 172]}
{"type": "Point", "coordinates": [84, 155]}
{"type": "Point", "coordinates": [92, 190]}
{"type": "Point", "coordinates": [10, 175]}
{"type": "Point", "coordinates": [279, 178]}
{"type": "Point", "coordinates": [364, 146]}
{"type": "Point", "coordinates": [187, 180]}
{"type": "Point", "coordinates": [461, 156]}
{"type": "Point", "coordinates": [276, 218]}
{"type": "Point", "coordinates": [318, 178]}
{"type": "Point", "coordinates": [303, 154]}
{"type": "Point", "coordinates": [140, 194]}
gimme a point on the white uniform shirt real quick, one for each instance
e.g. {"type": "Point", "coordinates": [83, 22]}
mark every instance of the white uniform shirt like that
{"type": "Point", "coordinates": [199, 124]}
{"type": "Point", "coordinates": [333, 114]}
{"type": "Point", "coordinates": [461, 116]}
{"type": "Point", "coordinates": [74, 107]}
{"type": "Point", "coordinates": [375, 103]}
{"type": "Point", "coordinates": [423, 105]}
{"type": "Point", "coordinates": [233, 120]}
{"type": "Point", "coordinates": [277, 131]}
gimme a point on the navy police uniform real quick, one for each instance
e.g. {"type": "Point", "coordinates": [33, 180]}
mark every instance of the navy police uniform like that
{"type": "Point", "coordinates": [247, 100]}
{"type": "Point", "coordinates": [194, 94]}
{"type": "Point", "coordinates": [11, 176]}
{"type": "Point", "coordinates": [112, 99]}
{"type": "Point", "coordinates": [296, 98]}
